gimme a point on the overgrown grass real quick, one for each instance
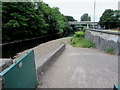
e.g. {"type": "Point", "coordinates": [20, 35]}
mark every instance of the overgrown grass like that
{"type": "Point", "coordinates": [109, 50]}
{"type": "Point", "coordinates": [78, 40]}
{"type": "Point", "coordinates": [82, 42]}
{"type": "Point", "coordinates": [79, 34]}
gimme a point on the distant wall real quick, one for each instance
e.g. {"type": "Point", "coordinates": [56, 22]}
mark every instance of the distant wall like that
{"type": "Point", "coordinates": [105, 39]}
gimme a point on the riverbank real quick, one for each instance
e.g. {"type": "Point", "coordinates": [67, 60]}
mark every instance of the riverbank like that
{"type": "Point", "coordinates": [43, 48]}
{"type": "Point", "coordinates": [11, 49]}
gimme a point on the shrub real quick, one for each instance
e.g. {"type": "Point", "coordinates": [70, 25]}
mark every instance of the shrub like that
{"type": "Point", "coordinates": [109, 50]}
{"type": "Point", "coordinates": [86, 43]}
{"type": "Point", "coordinates": [79, 34]}
{"type": "Point", "coordinates": [84, 29]}
{"type": "Point", "coordinates": [74, 41]}
{"type": "Point", "coordinates": [78, 40]}
{"type": "Point", "coordinates": [82, 42]}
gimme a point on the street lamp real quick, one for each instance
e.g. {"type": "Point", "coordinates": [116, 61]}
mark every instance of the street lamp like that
{"type": "Point", "coordinates": [94, 13]}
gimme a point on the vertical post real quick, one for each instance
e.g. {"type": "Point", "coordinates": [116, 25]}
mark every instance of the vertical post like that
{"type": "Point", "coordinates": [0, 29]}
{"type": "Point", "coordinates": [94, 14]}
{"type": "Point", "coordinates": [87, 26]}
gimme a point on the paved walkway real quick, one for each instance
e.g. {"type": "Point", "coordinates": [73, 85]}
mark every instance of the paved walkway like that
{"type": "Point", "coordinates": [82, 68]}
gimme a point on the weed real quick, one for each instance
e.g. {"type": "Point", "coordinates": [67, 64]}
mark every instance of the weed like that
{"type": "Point", "coordinates": [79, 34]}
{"type": "Point", "coordinates": [109, 50]}
{"type": "Point", "coordinates": [82, 42]}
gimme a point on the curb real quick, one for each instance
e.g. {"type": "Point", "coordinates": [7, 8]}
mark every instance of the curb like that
{"type": "Point", "coordinates": [42, 64]}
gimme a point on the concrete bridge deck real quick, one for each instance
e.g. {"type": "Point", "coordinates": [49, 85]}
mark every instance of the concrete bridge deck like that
{"type": "Point", "coordinates": [82, 68]}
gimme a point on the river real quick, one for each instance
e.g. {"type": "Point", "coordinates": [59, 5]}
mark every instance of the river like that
{"type": "Point", "coordinates": [10, 50]}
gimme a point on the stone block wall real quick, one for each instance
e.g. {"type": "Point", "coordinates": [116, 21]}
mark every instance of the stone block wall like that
{"type": "Point", "coordinates": [105, 39]}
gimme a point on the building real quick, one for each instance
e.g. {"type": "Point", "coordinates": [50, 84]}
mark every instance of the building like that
{"type": "Point", "coordinates": [119, 5]}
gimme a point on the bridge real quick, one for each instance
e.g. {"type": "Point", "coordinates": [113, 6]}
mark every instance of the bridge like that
{"type": "Point", "coordinates": [87, 23]}
{"type": "Point", "coordinates": [83, 22]}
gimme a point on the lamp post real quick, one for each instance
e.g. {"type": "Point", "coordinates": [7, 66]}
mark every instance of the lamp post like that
{"type": "Point", "coordinates": [94, 14]}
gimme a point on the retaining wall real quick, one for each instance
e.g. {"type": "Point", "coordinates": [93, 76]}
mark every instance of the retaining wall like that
{"type": "Point", "coordinates": [105, 39]}
{"type": "Point", "coordinates": [43, 63]}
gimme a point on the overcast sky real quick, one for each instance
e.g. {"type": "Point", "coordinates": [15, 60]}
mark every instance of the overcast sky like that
{"type": "Point", "coordinates": [77, 8]}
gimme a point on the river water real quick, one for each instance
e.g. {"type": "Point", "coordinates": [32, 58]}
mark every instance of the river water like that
{"type": "Point", "coordinates": [10, 50]}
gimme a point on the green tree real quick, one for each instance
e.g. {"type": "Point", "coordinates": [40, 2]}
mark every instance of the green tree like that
{"type": "Point", "coordinates": [85, 17]}
{"type": "Point", "coordinates": [70, 18]}
{"type": "Point", "coordinates": [23, 20]}
{"type": "Point", "coordinates": [70, 28]}
{"type": "Point", "coordinates": [110, 19]}
{"type": "Point", "coordinates": [117, 16]}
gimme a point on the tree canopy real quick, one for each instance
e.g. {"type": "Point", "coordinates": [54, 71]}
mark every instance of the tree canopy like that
{"type": "Point", "coordinates": [85, 17]}
{"type": "Point", "coordinates": [23, 20]}
{"type": "Point", "coordinates": [70, 18]}
{"type": "Point", "coordinates": [110, 19]}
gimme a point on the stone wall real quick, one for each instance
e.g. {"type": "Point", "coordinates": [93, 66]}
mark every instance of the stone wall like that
{"type": "Point", "coordinates": [105, 39]}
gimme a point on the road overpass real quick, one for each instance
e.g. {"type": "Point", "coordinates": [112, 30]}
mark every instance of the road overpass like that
{"type": "Point", "coordinates": [83, 22]}
{"type": "Point", "coordinates": [87, 23]}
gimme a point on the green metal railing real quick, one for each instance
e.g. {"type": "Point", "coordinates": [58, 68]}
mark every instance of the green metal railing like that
{"type": "Point", "coordinates": [21, 74]}
{"type": "Point", "coordinates": [116, 87]}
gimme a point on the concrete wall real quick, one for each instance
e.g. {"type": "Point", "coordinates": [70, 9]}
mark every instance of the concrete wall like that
{"type": "Point", "coordinates": [105, 39]}
{"type": "Point", "coordinates": [44, 62]}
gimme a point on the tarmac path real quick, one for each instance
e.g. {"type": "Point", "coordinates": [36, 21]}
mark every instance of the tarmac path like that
{"type": "Point", "coordinates": [82, 68]}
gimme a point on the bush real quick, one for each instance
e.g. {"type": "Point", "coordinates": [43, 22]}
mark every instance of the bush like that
{"type": "Point", "coordinates": [109, 50]}
{"type": "Point", "coordinates": [23, 21]}
{"type": "Point", "coordinates": [82, 42]}
{"type": "Point", "coordinates": [86, 43]}
{"type": "Point", "coordinates": [78, 40]}
{"type": "Point", "coordinates": [74, 41]}
{"type": "Point", "coordinates": [84, 29]}
{"type": "Point", "coordinates": [79, 34]}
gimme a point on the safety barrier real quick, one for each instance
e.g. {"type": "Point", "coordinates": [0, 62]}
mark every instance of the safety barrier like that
{"type": "Point", "coordinates": [21, 74]}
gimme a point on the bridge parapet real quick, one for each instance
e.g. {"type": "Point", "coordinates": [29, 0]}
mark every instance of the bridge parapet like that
{"type": "Point", "coordinates": [83, 22]}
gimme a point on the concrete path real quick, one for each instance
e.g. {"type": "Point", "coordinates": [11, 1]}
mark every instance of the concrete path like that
{"type": "Point", "coordinates": [82, 68]}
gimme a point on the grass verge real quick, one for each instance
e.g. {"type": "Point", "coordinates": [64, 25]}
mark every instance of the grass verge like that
{"type": "Point", "coordinates": [82, 42]}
